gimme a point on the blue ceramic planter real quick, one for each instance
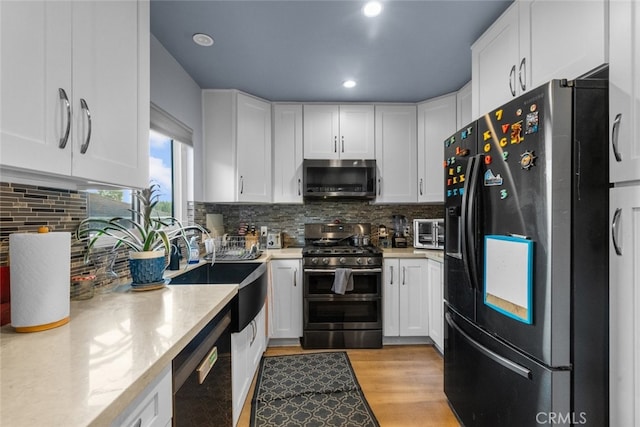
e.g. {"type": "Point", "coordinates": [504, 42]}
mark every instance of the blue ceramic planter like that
{"type": "Point", "coordinates": [146, 269]}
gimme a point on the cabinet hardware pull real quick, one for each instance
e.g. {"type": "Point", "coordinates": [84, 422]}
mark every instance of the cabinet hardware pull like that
{"type": "Point", "coordinates": [335, 144]}
{"type": "Point", "coordinates": [391, 274]}
{"type": "Point", "coordinates": [85, 108]}
{"type": "Point", "coordinates": [342, 137]}
{"type": "Point", "coordinates": [299, 187]}
{"type": "Point", "coordinates": [523, 83]}
{"type": "Point", "coordinates": [512, 81]}
{"type": "Point", "coordinates": [421, 186]}
{"type": "Point", "coordinates": [614, 231]}
{"type": "Point", "coordinates": [404, 276]}
{"type": "Point", "coordinates": [254, 329]}
{"type": "Point", "coordinates": [295, 277]}
{"type": "Point", "coordinates": [379, 187]}
{"type": "Point", "coordinates": [614, 137]}
{"type": "Point", "coordinates": [65, 137]}
{"type": "Point", "coordinates": [241, 184]}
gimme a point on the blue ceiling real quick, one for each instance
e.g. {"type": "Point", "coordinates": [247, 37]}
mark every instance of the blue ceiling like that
{"type": "Point", "coordinates": [302, 50]}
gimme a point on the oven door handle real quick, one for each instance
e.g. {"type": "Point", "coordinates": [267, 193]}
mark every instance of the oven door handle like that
{"type": "Point", "coordinates": [353, 271]}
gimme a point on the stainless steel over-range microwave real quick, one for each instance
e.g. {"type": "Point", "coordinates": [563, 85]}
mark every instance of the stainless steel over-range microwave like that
{"type": "Point", "coordinates": [339, 178]}
{"type": "Point", "coordinates": [428, 233]}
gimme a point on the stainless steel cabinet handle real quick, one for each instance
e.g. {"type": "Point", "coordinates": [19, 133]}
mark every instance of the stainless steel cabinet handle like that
{"type": "Point", "coordinates": [342, 137]}
{"type": "Point", "coordinates": [295, 277]}
{"type": "Point", "coordinates": [299, 187]}
{"type": "Point", "coordinates": [512, 81]}
{"type": "Point", "coordinates": [65, 137]}
{"type": "Point", "coordinates": [391, 274]}
{"type": "Point", "coordinates": [241, 184]}
{"type": "Point", "coordinates": [523, 70]}
{"type": "Point", "coordinates": [85, 108]}
{"type": "Point", "coordinates": [335, 144]}
{"type": "Point", "coordinates": [138, 423]}
{"type": "Point", "coordinates": [379, 187]}
{"type": "Point", "coordinates": [614, 137]}
{"type": "Point", "coordinates": [421, 186]}
{"type": "Point", "coordinates": [404, 276]}
{"type": "Point", "coordinates": [254, 329]}
{"type": "Point", "coordinates": [614, 231]}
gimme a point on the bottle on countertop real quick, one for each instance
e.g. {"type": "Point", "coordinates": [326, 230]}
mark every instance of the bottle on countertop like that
{"type": "Point", "coordinates": [194, 251]}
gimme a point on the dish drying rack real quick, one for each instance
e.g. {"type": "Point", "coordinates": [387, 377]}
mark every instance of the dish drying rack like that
{"type": "Point", "coordinates": [234, 248]}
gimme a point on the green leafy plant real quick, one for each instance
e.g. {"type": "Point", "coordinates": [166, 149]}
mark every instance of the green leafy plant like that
{"type": "Point", "coordinates": [144, 233]}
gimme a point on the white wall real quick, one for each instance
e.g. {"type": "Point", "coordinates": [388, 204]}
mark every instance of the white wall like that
{"type": "Point", "coordinates": [173, 90]}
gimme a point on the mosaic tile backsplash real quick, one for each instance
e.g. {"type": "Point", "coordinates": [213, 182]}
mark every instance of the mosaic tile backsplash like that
{"type": "Point", "coordinates": [24, 208]}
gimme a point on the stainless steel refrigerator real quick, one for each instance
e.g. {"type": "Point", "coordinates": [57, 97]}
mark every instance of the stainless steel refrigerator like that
{"type": "Point", "coordinates": [526, 261]}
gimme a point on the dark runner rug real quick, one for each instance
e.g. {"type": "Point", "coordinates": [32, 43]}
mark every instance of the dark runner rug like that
{"type": "Point", "coordinates": [310, 390]}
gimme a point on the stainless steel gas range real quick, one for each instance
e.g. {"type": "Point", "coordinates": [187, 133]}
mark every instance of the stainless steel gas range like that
{"type": "Point", "coordinates": [342, 288]}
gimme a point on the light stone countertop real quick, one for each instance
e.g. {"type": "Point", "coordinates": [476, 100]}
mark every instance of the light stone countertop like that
{"type": "Point", "coordinates": [88, 371]}
{"type": "Point", "coordinates": [436, 255]}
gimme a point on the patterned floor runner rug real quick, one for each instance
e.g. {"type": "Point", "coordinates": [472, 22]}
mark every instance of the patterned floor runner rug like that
{"type": "Point", "coordinates": [309, 390]}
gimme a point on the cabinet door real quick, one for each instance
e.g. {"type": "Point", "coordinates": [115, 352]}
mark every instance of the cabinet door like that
{"type": "Point", "coordinates": [356, 132]}
{"type": "Point", "coordinates": [561, 39]}
{"type": "Point", "coordinates": [391, 298]}
{"type": "Point", "coordinates": [286, 282]}
{"type": "Point", "coordinates": [495, 58]}
{"type": "Point", "coordinates": [436, 121]}
{"type": "Point", "coordinates": [624, 91]}
{"type": "Point", "coordinates": [414, 297]}
{"type": "Point", "coordinates": [111, 92]}
{"type": "Point", "coordinates": [35, 37]}
{"type": "Point", "coordinates": [436, 320]}
{"type": "Point", "coordinates": [253, 155]}
{"type": "Point", "coordinates": [287, 153]}
{"type": "Point", "coordinates": [463, 104]}
{"type": "Point", "coordinates": [624, 307]}
{"type": "Point", "coordinates": [395, 153]}
{"type": "Point", "coordinates": [321, 129]}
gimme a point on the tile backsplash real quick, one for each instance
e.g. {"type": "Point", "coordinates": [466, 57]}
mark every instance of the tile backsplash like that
{"type": "Point", "coordinates": [24, 208]}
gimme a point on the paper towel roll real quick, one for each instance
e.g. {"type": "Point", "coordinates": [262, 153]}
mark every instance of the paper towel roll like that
{"type": "Point", "coordinates": [40, 269]}
{"type": "Point", "coordinates": [215, 224]}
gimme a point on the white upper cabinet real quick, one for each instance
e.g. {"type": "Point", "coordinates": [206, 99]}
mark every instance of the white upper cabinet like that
{"type": "Point", "coordinates": [436, 122]}
{"type": "Point", "coordinates": [287, 153]}
{"type": "Point", "coordinates": [395, 153]}
{"type": "Point", "coordinates": [237, 147]}
{"type": "Point", "coordinates": [624, 91]}
{"type": "Point", "coordinates": [339, 132]}
{"type": "Point", "coordinates": [464, 106]}
{"type": "Point", "coordinates": [75, 90]}
{"type": "Point", "coordinates": [534, 41]}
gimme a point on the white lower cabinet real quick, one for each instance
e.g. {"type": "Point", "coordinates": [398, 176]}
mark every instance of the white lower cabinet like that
{"type": "Point", "coordinates": [405, 297]}
{"type": "Point", "coordinates": [436, 314]}
{"type": "Point", "coordinates": [624, 306]}
{"type": "Point", "coordinates": [151, 408]}
{"type": "Point", "coordinates": [286, 299]}
{"type": "Point", "coordinates": [247, 347]}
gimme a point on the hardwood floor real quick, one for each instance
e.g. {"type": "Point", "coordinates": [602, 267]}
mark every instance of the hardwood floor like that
{"type": "Point", "coordinates": [403, 385]}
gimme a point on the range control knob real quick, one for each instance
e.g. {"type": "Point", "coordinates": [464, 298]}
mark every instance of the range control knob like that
{"type": "Point", "coordinates": [369, 261]}
{"type": "Point", "coordinates": [358, 260]}
{"type": "Point", "coordinates": [314, 261]}
{"type": "Point", "coordinates": [342, 260]}
{"type": "Point", "coordinates": [325, 261]}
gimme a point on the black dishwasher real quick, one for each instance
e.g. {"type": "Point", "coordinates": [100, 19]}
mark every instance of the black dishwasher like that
{"type": "Point", "coordinates": [202, 376]}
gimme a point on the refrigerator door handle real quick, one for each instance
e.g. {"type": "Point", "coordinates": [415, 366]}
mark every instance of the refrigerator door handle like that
{"type": "Point", "coordinates": [468, 230]}
{"type": "Point", "coordinates": [512, 366]}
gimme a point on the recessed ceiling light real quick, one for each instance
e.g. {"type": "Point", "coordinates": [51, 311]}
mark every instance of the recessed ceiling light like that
{"type": "Point", "coordinates": [372, 8]}
{"type": "Point", "coordinates": [202, 39]}
{"type": "Point", "coordinates": [349, 83]}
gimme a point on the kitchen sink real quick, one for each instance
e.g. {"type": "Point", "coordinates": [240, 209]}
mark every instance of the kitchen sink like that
{"type": "Point", "coordinates": [251, 278]}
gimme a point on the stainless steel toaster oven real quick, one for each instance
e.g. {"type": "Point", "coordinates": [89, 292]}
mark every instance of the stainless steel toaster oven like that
{"type": "Point", "coordinates": [428, 233]}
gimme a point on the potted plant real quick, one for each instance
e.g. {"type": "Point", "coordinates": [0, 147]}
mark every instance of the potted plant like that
{"type": "Point", "coordinates": [148, 238]}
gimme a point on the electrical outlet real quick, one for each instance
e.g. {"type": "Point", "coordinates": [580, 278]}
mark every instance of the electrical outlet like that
{"type": "Point", "coordinates": [263, 231]}
{"type": "Point", "coordinates": [407, 230]}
